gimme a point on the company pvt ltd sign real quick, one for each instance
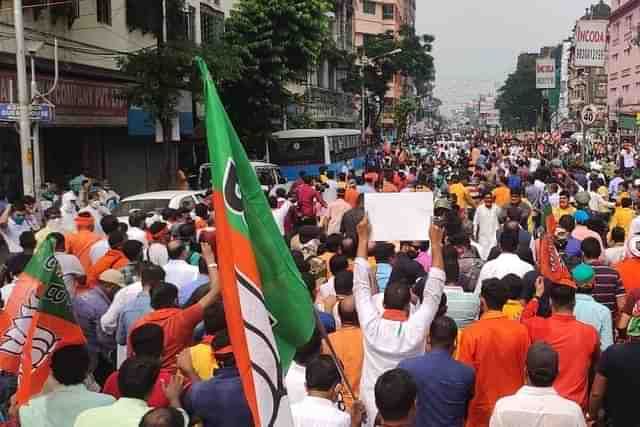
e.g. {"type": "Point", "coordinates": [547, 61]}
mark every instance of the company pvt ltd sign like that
{"type": "Point", "coordinates": [590, 43]}
{"type": "Point", "coordinates": [545, 73]}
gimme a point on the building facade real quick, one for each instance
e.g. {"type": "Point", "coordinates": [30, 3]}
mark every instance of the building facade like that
{"type": "Point", "coordinates": [379, 17]}
{"type": "Point", "coordinates": [94, 129]}
{"type": "Point", "coordinates": [624, 62]}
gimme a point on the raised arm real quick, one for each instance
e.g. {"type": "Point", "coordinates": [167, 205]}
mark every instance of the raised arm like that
{"type": "Point", "coordinates": [212, 267]}
{"type": "Point", "coordinates": [361, 284]}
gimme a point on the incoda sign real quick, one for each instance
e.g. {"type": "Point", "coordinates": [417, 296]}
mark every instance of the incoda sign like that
{"type": "Point", "coordinates": [591, 43]}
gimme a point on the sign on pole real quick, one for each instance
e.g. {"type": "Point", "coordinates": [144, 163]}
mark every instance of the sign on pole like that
{"type": "Point", "coordinates": [591, 43]}
{"type": "Point", "coordinates": [39, 112]}
{"type": "Point", "coordinates": [545, 73]}
{"type": "Point", "coordinates": [589, 114]}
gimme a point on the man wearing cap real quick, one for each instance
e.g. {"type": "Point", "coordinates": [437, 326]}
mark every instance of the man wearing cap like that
{"type": "Point", "coordinates": [581, 231]}
{"type": "Point", "coordinates": [538, 403]}
{"type": "Point", "coordinates": [587, 309]}
{"type": "Point", "coordinates": [88, 308]}
{"type": "Point", "coordinates": [114, 258]}
{"type": "Point", "coordinates": [80, 243]}
{"type": "Point", "coordinates": [618, 377]}
{"type": "Point", "coordinates": [577, 343]}
{"type": "Point", "coordinates": [629, 268]}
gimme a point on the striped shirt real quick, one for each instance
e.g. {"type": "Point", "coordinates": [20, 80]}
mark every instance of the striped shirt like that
{"type": "Point", "coordinates": [463, 307]}
{"type": "Point", "coordinates": [607, 286]}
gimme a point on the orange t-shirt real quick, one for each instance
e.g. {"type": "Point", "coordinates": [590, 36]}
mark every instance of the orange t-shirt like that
{"type": "Point", "coordinates": [351, 197]}
{"type": "Point", "coordinates": [502, 196]}
{"type": "Point", "coordinates": [347, 342]}
{"type": "Point", "coordinates": [577, 344]}
{"type": "Point", "coordinates": [629, 271]}
{"type": "Point", "coordinates": [496, 348]}
{"type": "Point", "coordinates": [79, 244]}
{"type": "Point", "coordinates": [112, 259]}
{"type": "Point", "coordinates": [178, 326]}
{"type": "Point", "coordinates": [388, 187]}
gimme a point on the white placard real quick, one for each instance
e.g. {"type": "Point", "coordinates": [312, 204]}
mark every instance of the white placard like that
{"type": "Point", "coordinates": [399, 216]}
{"type": "Point", "coordinates": [591, 43]}
{"type": "Point", "coordinates": [545, 73]}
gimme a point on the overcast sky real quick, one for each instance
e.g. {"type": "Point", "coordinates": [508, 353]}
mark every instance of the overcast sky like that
{"type": "Point", "coordinates": [477, 42]}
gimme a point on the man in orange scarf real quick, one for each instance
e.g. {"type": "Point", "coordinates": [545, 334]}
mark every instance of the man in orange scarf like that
{"type": "Point", "coordinates": [113, 259]}
{"type": "Point", "coordinates": [80, 243]}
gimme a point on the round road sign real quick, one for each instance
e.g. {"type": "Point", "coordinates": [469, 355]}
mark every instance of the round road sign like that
{"type": "Point", "coordinates": [588, 114]}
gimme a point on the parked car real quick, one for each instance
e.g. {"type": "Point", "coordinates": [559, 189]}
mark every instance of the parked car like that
{"type": "Point", "coordinates": [155, 202]}
{"type": "Point", "coordinates": [268, 174]}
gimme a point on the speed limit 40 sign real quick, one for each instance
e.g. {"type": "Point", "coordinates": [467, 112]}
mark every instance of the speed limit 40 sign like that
{"type": "Point", "coordinates": [589, 114]}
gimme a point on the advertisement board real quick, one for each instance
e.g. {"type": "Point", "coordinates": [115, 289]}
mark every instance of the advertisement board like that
{"type": "Point", "coordinates": [545, 73]}
{"type": "Point", "coordinates": [590, 43]}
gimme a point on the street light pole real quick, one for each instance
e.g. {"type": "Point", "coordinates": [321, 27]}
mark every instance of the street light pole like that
{"type": "Point", "coordinates": [23, 101]}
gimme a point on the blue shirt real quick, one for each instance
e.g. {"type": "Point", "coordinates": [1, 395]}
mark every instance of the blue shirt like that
{"type": "Point", "coordinates": [133, 311]}
{"type": "Point", "coordinates": [219, 401]}
{"type": "Point", "coordinates": [383, 272]}
{"type": "Point", "coordinates": [445, 388]}
{"type": "Point", "coordinates": [514, 182]}
{"type": "Point", "coordinates": [184, 293]}
{"type": "Point", "coordinates": [88, 308]}
{"type": "Point", "coordinates": [328, 321]}
{"type": "Point", "coordinates": [588, 311]}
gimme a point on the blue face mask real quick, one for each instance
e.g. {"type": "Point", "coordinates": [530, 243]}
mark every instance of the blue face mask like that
{"type": "Point", "coordinates": [18, 219]}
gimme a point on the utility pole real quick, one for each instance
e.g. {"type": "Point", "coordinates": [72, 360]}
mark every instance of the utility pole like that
{"type": "Point", "coordinates": [23, 102]}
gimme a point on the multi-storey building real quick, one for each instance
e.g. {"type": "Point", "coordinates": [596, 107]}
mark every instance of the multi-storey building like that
{"type": "Point", "coordinates": [624, 62]}
{"type": "Point", "coordinates": [94, 128]}
{"type": "Point", "coordinates": [378, 17]}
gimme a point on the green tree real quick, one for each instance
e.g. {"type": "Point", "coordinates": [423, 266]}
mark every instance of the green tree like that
{"type": "Point", "coordinates": [519, 100]}
{"type": "Point", "coordinates": [403, 109]}
{"type": "Point", "coordinates": [279, 40]}
{"type": "Point", "coordinates": [414, 61]}
{"type": "Point", "coordinates": [163, 71]}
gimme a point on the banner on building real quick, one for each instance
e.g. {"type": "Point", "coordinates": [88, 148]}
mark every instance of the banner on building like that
{"type": "Point", "coordinates": [590, 43]}
{"type": "Point", "coordinates": [545, 73]}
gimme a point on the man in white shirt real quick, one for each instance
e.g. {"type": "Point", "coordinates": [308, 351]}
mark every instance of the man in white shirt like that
{"type": "Point", "coordinates": [12, 224]}
{"type": "Point", "coordinates": [330, 193]}
{"type": "Point", "coordinates": [507, 262]}
{"type": "Point", "coordinates": [97, 211]}
{"type": "Point", "coordinates": [109, 224]}
{"type": "Point", "coordinates": [317, 409]}
{"type": "Point", "coordinates": [135, 231]}
{"type": "Point", "coordinates": [296, 375]}
{"type": "Point", "coordinates": [392, 336]}
{"type": "Point", "coordinates": [179, 272]}
{"type": "Point", "coordinates": [72, 271]}
{"type": "Point", "coordinates": [538, 403]}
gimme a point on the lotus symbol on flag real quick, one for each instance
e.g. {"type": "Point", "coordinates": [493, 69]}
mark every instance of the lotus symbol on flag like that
{"type": "Point", "coordinates": [15, 337]}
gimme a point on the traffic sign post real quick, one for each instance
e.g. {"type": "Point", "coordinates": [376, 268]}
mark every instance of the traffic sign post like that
{"type": "Point", "coordinates": [588, 117]}
{"type": "Point", "coordinates": [10, 112]}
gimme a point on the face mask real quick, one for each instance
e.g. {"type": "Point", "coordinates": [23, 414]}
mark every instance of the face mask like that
{"type": "Point", "coordinates": [18, 219]}
{"type": "Point", "coordinates": [95, 204]}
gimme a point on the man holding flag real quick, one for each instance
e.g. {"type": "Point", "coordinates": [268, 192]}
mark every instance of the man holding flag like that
{"type": "Point", "coordinates": [39, 321]}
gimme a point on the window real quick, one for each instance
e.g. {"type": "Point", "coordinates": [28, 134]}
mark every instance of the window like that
{"type": "Point", "coordinates": [103, 11]}
{"type": "Point", "coordinates": [368, 7]}
{"type": "Point", "coordinates": [387, 11]}
{"type": "Point", "coordinates": [211, 24]}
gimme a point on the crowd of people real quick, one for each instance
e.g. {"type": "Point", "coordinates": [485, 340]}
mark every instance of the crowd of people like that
{"type": "Point", "coordinates": [456, 328]}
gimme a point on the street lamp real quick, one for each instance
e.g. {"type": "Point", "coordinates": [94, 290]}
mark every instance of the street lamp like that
{"type": "Point", "coordinates": [368, 61]}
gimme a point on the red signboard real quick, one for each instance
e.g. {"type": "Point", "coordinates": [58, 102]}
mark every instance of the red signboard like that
{"type": "Point", "coordinates": [74, 97]}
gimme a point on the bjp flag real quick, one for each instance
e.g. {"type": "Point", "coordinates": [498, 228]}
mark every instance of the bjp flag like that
{"type": "Point", "coordinates": [38, 319]}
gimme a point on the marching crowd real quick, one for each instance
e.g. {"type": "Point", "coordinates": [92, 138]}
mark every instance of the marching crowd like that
{"type": "Point", "coordinates": [458, 328]}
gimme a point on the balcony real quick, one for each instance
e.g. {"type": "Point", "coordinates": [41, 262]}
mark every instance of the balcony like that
{"type": "Point", "coordinates": [326, 105]}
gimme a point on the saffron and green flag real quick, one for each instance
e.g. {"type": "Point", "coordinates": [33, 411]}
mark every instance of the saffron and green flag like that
{"type": "Point", "coordinates": [267, 305]}
{"type": "Point", "coordinates": [37, 320]}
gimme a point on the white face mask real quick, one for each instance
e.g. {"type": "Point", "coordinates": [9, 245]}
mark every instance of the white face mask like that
{"type": "Point", "coordinates": [55, 224]}
{"type": "Point", "coordinates": [95, 204]}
